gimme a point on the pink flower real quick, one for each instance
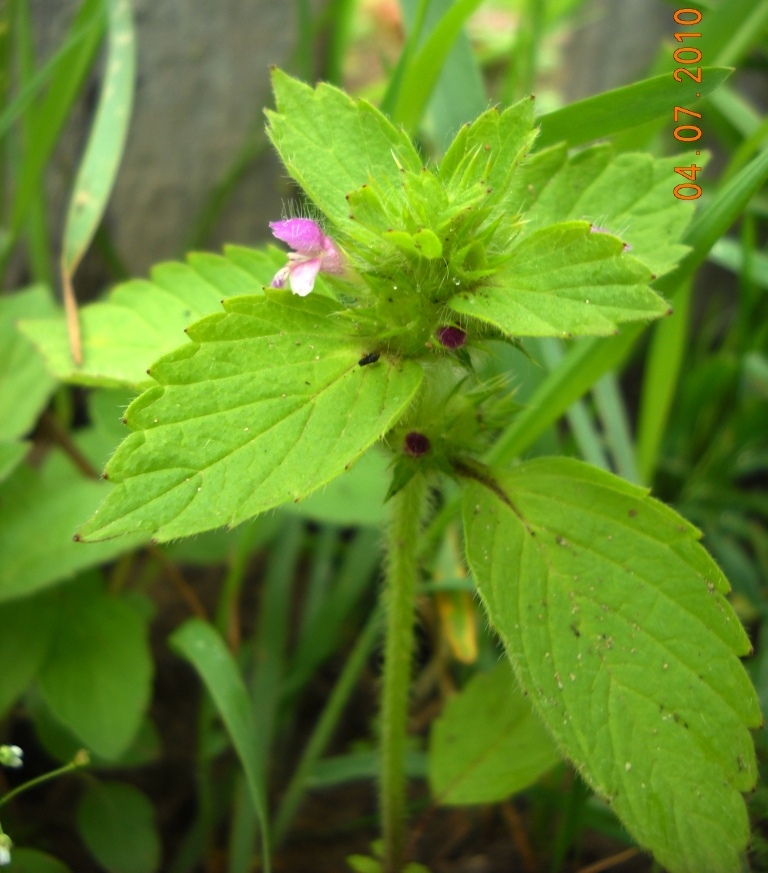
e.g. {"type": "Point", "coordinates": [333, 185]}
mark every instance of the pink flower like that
{"type": "Point", "coordinates": [313, 252]}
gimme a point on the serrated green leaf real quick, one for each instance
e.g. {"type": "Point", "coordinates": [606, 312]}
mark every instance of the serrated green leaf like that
{"type": "Point", "coordinates": [25, 386]}
{"type": "Point", "coordinates": [627, 194]}
{"type": "Point", "coordinates": [331, 144]}
{"type": "Point", "coordinates": [487, 744]}
{"type": "Point", "coordinates": [489, 150]}
{"type": "Point", "coordinates": [116, 822]}
{"type": "Point", "coordinates": [266, 404]}
{"type": "Point", "coordinates": [616, 623]}
{"type": "Point", "coordinates": [141, 320]}
{"type": "Point", "coordinates": [97, 674]}
{"type": "Point", "coordinates": [564, 280]}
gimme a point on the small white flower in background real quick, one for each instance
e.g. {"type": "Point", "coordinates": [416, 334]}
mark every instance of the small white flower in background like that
{"type": "Point", "coordinates": [5, 849]}
{"type": "Point", "coordinates": [11, 756]}
{"type": "Point", "coordinates": [313, 252]}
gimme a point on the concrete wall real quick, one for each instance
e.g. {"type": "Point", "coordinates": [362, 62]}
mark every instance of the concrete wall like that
{"type": "Point", "coordinates": [203, 80]}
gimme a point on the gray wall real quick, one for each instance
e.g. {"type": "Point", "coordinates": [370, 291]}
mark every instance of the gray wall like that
{"type": "Point", "coordinates": [202, 83]}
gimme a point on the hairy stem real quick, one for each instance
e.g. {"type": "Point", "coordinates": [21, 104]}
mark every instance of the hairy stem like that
{"type": "Point", "coordinates": [400, 594]}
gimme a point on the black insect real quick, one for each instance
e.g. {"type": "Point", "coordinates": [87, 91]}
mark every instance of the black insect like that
{"type": "Point", "coordinates": [370, 358]}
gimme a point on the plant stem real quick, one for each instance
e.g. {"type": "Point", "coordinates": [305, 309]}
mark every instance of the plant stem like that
{"type": "Point", "coordinates": [77, 763]}
{"type": "Point", "coordinates": [400, 594]}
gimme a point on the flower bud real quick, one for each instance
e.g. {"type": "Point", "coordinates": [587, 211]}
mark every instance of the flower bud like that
{"type": "Point", "coordinates": [416, 444]}
{"type": "Point", "coordinates": [451, 337]}
{"type": "Point", "coordinates": [11, 756]}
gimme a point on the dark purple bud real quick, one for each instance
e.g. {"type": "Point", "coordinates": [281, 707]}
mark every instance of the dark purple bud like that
{"type": "Point", "coordinates": [451, 337]}
{"type": "Point", "coordinates": [416, 444]}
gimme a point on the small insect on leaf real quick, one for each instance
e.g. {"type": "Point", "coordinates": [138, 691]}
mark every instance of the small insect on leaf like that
{"type": "Point", "coordinates": [370, 358]}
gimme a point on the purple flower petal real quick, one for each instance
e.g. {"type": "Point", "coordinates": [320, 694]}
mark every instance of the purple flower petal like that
{"type": "Point", "coordinates": [300, 234]}
{"type": "Point", "coordinates": [303, 275]}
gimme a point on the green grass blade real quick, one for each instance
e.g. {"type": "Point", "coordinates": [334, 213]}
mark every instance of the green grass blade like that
{"type": "Point", "coordinates": [624, 108]}
{"type": "Point", "coordinates": [98, 168]}
{"type": "Point", "coordinates": [584, 364]}
{"type": "Point", "coordinates": [341, 13]}
{"type": "Point", "coordinates": [662, 371]}
{"type": "Point", "coordinates": [459, 93]}
{"type": "Point", "coordinates": [392, 94]}
{"type": "Point", "coordinates": [579, 418]}
{"type": "Point", "coordinates": [199, 644]}
{"type": "Point", "coordinates": [323, 731]}
{"type": "Point", "coordinates": [105, 145]}
{"type": "Point", "coordinates": [61, 59]}
{"type": "Point", "coordinates": [65, 75]}
{"type": "Point", "coordinates": [421, 75]}
{"type": "Point", "coordinates": [323, 625]}
{"type": "Point", "coordinates": [731, 29]}
{"type": "Point", "coordinates": [523, 60]}
{"type": "Point", "coordinates": [271, 640]}
{"type": "Point", "coordinates": [613, 417]}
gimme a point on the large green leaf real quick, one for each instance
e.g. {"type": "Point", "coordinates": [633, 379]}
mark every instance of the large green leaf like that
{"type": "Point", "coordinates": [487, 744]}
{"type": "Point", "coordinates": [53, 500]}
{"type": "Point", "coordinates": [332, 144]}
{"type": "Point", "coordinates": [24, 643]}
{"type": "Point", "coordinates": [96, 678]}
{"type": "Point", "coordinates": [141, 320]}
{"type": "Point", "coordinates": [267, 403]}
{"type": "Point", "coordinates": [24, 384]}
{"type": "Point", "coordinates": [116, 822]}
{"type": "Point", "coordinates": [564, 280]}
{"type": "Point", "coordinates": [628, 194]}
{"type": "Point", "coordinates": [616, 622]}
